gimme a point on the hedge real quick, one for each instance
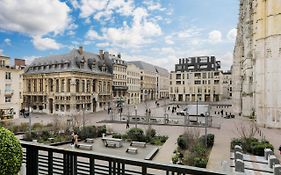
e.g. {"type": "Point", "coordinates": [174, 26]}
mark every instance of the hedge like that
{"type": "Point", "coordinates": [10, 153]}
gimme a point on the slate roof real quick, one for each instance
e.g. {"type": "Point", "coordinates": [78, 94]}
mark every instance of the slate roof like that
{"type": "Point", "coordinates": [150, 67]}
{"type": "Point", "coordinates": [72, 62]}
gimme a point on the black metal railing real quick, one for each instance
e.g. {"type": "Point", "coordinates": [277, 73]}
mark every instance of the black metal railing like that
{"type": "Point", "coordinates": [44, 159]}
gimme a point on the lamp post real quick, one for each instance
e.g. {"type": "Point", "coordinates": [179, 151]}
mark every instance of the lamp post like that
{"type": "Point", "coordinates": [136, 111]}
{"type": "Point", "coordinates": [83, 108]}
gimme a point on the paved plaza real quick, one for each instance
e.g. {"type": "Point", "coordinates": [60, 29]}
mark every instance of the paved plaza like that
{"type": "Point", "coordinates": [220, 154]}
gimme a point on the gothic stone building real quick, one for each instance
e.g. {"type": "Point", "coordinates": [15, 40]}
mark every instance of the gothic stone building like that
{"type": "Point", "coordinates": [68, 83]}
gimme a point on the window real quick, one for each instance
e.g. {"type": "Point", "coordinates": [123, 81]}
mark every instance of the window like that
{"type": "Point", "coordinates": [178, 82]}
{"type": "Point", "coordinates": [8, 87]}
{"type": "Point", "coordinates": [77, 85]}
{"type": "Point", "coordinates": [197, 82]}
{"type": "Point", "coordinates": [68, 85]}
{"type": "Point", "coordinates": [216, 81]}
{"type": "Point", "coordinates": [8, 76]}
{"type": "Point", "coordinates": [57, 85]}
{"type": "Point", "coordinates": [178, 76]}
{"type": "Point", "coordinates": [8, 99]}
{"type": "Point", "coordinates": [62, 85]}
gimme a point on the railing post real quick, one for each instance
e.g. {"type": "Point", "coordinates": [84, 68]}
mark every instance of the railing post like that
{"type": "Point", "coordinates": [50, 162]}
{"type": "Point", "coordinates": [144, 170]}
{"type": "Point", "coordinates": [31, 160]}
{"type": "Point", "coordinates": [92, 166]}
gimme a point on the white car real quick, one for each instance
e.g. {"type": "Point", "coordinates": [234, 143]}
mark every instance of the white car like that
{"type": "Point", "coordinates": [183, 112]}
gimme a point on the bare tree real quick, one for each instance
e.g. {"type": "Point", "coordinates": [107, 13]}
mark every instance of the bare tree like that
{"type": "Point", "coordinates": [247, 130]}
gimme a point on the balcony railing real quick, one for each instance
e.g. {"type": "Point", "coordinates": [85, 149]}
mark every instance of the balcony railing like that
{"type": "Point", "coordinates": [43, 159]}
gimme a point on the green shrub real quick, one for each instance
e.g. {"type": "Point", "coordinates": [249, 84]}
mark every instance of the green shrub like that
{"type": "Point", "coordinates": [101, 130]}
{"type": "Point", "coordinates": [182, 142]}
{"type": "Point", "coordinates": [124, 137]}
{"type": "Point", "coordinates": [136, 134]}
{"type": "Point", "coordinates": [87, 132]}
{"type": "Point", "coordinates": [200, 162]}
{"type": "Point", "coordinates": [210, 140]}
{"type": "Point", "coordinates": [117, 136]}
{"type": "Point", "coordinates": [27, 137]}
{"type": "Point", "coordinates": [45, 135]}
{"type": "Point", "coordinates": [235, 141]}
{"type": "Point", "coordinates": [10, 153]}
{"type": "Point", "coordinates": [175, 158]}
{"type": "Point", "coordinates": [199, 150]}
{"type": "Point", "coordinates": [258, 148]}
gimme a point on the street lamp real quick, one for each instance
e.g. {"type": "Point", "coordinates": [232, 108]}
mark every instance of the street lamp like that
{"type": "Point", "coordinates": [136, 111]}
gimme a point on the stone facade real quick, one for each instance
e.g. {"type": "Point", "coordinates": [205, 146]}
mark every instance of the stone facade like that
{"type": "Point", "coordinates": [257, 54]}
{"type": "Point", "coordinates": [133, 82]}
{"type": "Point", "coordinates": [190, 85]}
{"type": "Point", "coordinates": [10, 88]}
{"type": "Point", "coordinates": [69, 83]}
{"type": "Point", "coordinates": [152, 81]}
{"type": "Point", "coordinates": [119, 87]}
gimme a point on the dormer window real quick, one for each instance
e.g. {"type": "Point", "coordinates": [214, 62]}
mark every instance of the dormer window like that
{"type": "Point", "coordinates": [62, 65]}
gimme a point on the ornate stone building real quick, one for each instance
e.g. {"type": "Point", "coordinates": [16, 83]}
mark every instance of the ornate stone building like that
{"type": "Point", "coordinates": [256, 64]}
{"type": "Point", "coordinates": [69, 83]}
{"type": "Point", "coordinates": [10, 87]}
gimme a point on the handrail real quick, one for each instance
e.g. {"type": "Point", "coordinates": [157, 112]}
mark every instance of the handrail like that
{"type": "Point", "coordinates": [73, 160]}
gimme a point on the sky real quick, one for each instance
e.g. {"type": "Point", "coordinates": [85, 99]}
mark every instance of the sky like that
{"type": "Point", "coordinates": [155, 31]}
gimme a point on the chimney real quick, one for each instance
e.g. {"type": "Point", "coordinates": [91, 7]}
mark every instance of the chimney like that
{"type": "Point", "coordinates": [81, 50]}
{"type": "Point", "coordinates": [101, 53]}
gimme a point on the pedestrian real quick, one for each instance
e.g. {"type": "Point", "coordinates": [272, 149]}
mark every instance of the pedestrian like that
{"type": "Point", "coordinates": [127, 125]}
{"type": "Point", "coordinates": [158, 105]}
{"type": "Point", "coordinates": [149, 112]}
{"type": "Point", "coordinates": [280, 149]}
{"type": "Point", "coordinates": [76, 140]}
{"type": "Point", "coordinates": [168, 108]}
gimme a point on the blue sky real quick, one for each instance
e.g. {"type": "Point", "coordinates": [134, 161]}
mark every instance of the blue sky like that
{"type": "Point", "coordinates": [155, 31]}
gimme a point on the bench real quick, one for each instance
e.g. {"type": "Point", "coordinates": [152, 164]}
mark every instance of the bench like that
{"type": "Point", "coordinates": [151, 154]}
{"type": "Point", "coordinates": [113, 142]}
{"type": "Point", "coordinates": [132, 149]}
{"type": "Point", "coordinates": [138, 143]}
{"type": "Point", "coordinates": [84, 146]}
{"type": "Point", "coordinates": [89, 140]}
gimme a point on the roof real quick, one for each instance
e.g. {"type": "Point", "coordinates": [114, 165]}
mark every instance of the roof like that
{"type": "Point", "coordinates": [150, 67]}
{"type": "Point", "coordinates": [74, 61]}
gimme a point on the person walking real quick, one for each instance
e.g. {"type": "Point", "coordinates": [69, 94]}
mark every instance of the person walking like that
{"type": "Point", "coordinates": [127, 124]}
{"type": "Point", "coordinates": [75, 140]}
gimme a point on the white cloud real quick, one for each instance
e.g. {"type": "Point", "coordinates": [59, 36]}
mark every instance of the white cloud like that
{"type": "Point", "coordinates": [70, 33]}
{"type": "Point", "coordinates": [105, 44]}
{"type": "Point", "coordinates": [140, 32]}
{"type": "Point", "coordinates": [215, 36]}
{"type": "Point", "coordinates": [1, 51]}
{"type": "Point", "coordinates": [29, 59]}
{"type": "Point", "coordinates": [89, 7]}
{"type": "Point", "coordinates": [168, 40]}
{"type": "Point", "coordinates": [8, 42]}
{"type": "Point", "coordinates": [153, 5]}
{"type": "Point", "coordinates": [34, 17]}
{"type": "Point", "coordinates": [93, 35]}
{"type": "Point", "coordinates": [231, 35]}
{"type": "Point", "coordinates": [45, 43]}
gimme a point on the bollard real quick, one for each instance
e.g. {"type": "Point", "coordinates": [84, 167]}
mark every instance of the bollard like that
{"type": "Point", "coordinates": [239, 165]}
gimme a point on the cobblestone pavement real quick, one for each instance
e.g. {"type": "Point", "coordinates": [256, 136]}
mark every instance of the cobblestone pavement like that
{"type": "Point", "coordinates": [219, 154]}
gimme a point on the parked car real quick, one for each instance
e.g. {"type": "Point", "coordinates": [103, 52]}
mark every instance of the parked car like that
{"type": "Point", "coordinates": [183, 112]}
